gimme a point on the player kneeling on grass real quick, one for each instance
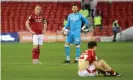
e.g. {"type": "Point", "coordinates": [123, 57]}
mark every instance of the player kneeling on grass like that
{"type": "Point", "coordinates": [88, 65]}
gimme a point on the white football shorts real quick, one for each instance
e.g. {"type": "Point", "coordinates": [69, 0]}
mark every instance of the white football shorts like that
{"type": "Point", "coordinates": [38, 39]}
{"type": "Point", "coordinates": [92, 72]}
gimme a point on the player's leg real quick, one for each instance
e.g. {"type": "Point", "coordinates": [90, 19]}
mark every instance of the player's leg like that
{"type": "Point", "coordinates": [77, 53]}
{"type": "Point", "coordinates": [106, 67]}
{"type": "Point", "coordinates": [114, 37]}
{"type": "Point", "coordinates": [77, 41]}
{"type": "Point", "coordinates": [40, 43]}
{"type": "Point", "coordinates": [35, 54]}
{"type": "Point", "coordinates": [100, 68]}
{"type": "Point", "coordinates": [36, 49]}
{"type": "Point", "coordinates": [67, 48]}
{"type": "Point", "coordinates": [67, 51]}
{"type": "Point", "coordinates": [102, 65]}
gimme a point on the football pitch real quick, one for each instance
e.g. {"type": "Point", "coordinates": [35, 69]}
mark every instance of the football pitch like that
{"type": "Point", "coordinates": [16, 63]}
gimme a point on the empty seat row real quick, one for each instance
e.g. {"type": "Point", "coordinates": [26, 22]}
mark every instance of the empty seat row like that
{"type": "Point", "coordinates": [14, 14]}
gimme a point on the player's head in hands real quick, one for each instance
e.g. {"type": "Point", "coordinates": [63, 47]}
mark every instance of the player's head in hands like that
{"type": "Point", "coordinates": [92, 45]}
{"type": "Point", "coordinates": [37, 9]}
{"type": "Point", "coordinates": [75, 8]}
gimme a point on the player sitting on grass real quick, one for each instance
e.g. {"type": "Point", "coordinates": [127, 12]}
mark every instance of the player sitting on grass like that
{"type": "Point", "coordinates": [88, 65]}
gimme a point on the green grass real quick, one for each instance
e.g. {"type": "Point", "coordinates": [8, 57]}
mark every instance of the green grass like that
{"type": "Point", "coordinates": [16, 63]}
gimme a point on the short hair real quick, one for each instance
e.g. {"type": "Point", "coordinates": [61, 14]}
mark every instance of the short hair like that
{"type": "Point", "coordinates": [92, 44]}
{"type": "Point", "coordinates": [75, 5]}
{"type": "Point", "coordinates": [37, 5]}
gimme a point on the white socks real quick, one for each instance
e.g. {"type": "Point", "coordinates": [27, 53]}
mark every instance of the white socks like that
{"type": "Point", "coordinates": [68, 58]}
{"type": "Point", "coordinates": [77, 58]}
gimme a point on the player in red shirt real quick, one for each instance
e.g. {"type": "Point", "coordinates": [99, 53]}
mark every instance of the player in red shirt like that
{"type": "Point", "coordinates": [88, 65]}
{"type": "Point", "coordinates": [36, 24]}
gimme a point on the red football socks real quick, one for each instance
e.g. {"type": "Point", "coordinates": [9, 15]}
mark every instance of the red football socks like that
{"type": "Point", "coordinates": [112, 71]}
{"type": "Point", "coordinates": [38, 53]}
{"type": "Point", "coordinates": [35, 53]}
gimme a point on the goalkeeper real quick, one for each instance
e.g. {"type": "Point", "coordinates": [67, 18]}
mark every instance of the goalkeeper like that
{"type": "Point", "coordinates": [74, 23]}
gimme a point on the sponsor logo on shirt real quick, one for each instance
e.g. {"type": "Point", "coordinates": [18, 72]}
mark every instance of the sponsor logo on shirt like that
{"type": "Point", "coordinates": [74, 18]}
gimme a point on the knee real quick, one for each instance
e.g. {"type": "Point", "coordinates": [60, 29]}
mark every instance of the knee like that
{"type": "Point", "coordinates": [96, 64]}
{"type": "Point", "coordinates": [67, 45]}
{"type": "Point", "coordinates": [36, 46]}
{"type": "Point", "coordinates": [78, 46]}
{"type": "Point", "coordinates": [101, 61]}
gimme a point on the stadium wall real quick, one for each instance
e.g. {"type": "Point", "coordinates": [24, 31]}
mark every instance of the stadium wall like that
{"type": "Point", "coordinates": [9, 37]}
{"type": "Point", "coordinates": [52, 37]}
{"type": "Point", "coordinates": [125, 35]}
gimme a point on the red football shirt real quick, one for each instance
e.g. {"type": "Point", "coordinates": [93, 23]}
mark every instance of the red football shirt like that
{"type": "Point", "coordinates": [36, 23]}
{"type": "Point", "coordinates": [89, 55]}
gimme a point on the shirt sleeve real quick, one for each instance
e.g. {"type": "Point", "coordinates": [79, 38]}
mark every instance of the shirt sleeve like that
{"type": "Point", "coordinates": [68, 22]}
{"type": "Point", "coordinates": [85, 20]}
{"type": "Point", "coordinates": [30, 18]}
{"type": "Point", "coordinates": [43, 17]}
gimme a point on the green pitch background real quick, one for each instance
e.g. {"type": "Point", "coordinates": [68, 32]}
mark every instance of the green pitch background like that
{"type": "Point", "coordinates": [16, 63]}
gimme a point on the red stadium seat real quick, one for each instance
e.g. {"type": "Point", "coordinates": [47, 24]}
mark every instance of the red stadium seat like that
{"type": "Point", "coordinates": [14, 14]}
{"type": "Point", "coordinates": [116, 10]}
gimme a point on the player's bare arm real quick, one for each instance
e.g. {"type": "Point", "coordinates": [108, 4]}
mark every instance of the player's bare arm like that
{"type": "Point", "coordinates": [82, 65]}
{"type": "Point", "coordinates": [28, 26]}
{"type": "Point", "coordinates": [82, 62]}
{"type": "Point", "coordinates": [45, 26]}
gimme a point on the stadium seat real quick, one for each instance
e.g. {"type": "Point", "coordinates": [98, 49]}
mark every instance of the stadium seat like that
{"type": "Point", "coordinates": [14, 14]}
{"type": "Point", "coordinates": [120, 10]}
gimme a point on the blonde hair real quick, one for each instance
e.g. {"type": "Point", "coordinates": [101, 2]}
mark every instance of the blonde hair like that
{"type": "Point", "coordinates": [37, 5]}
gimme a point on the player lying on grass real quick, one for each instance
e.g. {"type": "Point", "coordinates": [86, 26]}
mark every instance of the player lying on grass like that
{"type": "Point", "coordinates": [88, 65]}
